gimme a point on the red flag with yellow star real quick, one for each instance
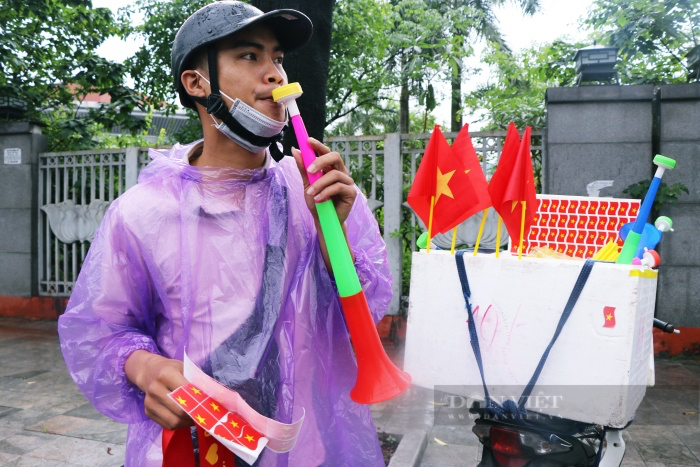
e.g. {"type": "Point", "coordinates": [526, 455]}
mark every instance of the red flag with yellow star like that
{"type": "Point", "coordinates": [478, 199]}
{"type": "Point", "coordinates": [442, 180]}
{"type": "Point", "coordinates": [514, 183]}
{"type": "Point", "coordinates": [506, 162]}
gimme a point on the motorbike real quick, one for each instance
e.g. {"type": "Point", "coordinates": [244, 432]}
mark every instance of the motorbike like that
{"type": "Point", "coordinates": [513, 438]}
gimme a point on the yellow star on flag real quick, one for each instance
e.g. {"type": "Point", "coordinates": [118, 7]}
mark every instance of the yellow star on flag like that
{"type": "Point", "coordinates": [249, 438]}
{"type": "Point", "coordinates": [196, 391]}
{"type": "Point", "coordinates": [201, 420]}
{"type": "Point", "coordinates": [609, 317]}
{"type": "Point", "coordinates": [182, 401]}
{"type": "Point", "coordinates": [235, 425]}
{"type": "Point", "coordinates": [443, 187]}
{"type": "Point", "coordinates": [215, 407]}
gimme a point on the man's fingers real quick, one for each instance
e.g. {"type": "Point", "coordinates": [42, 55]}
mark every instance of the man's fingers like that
{"type": "Point", "coordinates": [332, 184]}
{"type": "Point", "coordinates": [328, 161]}
{"type": "Point", "coordinates": [329, 179]}
{"type": "Point", "coordinates": [300, 165]}
{"type": "Point", "coordinates": [167, 419]}
{"type": "Point", "coordinates": [318, 147]}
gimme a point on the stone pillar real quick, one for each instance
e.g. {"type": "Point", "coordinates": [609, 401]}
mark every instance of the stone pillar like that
{"type": "Point", "coordinates": [678, 299]}
{"type": "Point", "coordinates": [393, 197]}
{"type": "Point", "coordinates": [20, 144]}
{"type": "Point", "coordinates": [597, 133]}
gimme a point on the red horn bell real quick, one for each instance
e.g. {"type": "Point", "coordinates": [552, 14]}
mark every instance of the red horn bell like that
{"type": "Point", "coordinates": [378, 379]}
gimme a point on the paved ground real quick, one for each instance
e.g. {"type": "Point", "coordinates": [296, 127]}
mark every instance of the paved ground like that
{"type": "Point", "coordinates": [45, 421]}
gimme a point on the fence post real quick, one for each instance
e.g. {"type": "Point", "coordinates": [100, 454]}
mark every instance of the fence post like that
{"type": "Point", "coordinates": [20, 145]}
{"type": "Point", "coordinates": [132, 167]}
{"type": "Point", "coordinates": [393, 197]}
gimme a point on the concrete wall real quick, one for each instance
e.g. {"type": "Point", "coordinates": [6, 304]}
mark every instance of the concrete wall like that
{"type": "Point", "coordinates": [597, 133]}
{"type": "Point", "coordinates": [612, 133]}
{"type": "Point", "coordinates": [679, 138]}
{"type": "Point", "coordinates": [18, 208]}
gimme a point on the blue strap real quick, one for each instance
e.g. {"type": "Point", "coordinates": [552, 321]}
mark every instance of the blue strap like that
{"type": "Point", "coordinates": [473, 337]}
{"type": "Point", "coordinates": [509, 406]}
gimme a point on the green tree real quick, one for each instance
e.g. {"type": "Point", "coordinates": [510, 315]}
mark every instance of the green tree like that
{"type": "Point", "coordinates": [150, 65]}
{"type": "Point", "coordinates": [49, 62]}
{"type": "Point", "coordinates": [481, 24]}
{"type": "Point", "coordinates": [653, 36]}
{"type": "Point", "coordinates": [517, 92]}
{"type": "Point", "coordinates": [358, 64]}
{"type": "Point", "coordinates": [417, 36]}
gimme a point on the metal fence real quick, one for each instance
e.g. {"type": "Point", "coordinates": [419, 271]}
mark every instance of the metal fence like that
{"type": "Point", "coordinates": [75, 189]}
{"type": "Point", "coordinates": [78, 186]}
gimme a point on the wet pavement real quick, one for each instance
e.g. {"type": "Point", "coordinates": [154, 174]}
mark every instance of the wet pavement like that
{"type": "Point", "coordinates": [46, 421]}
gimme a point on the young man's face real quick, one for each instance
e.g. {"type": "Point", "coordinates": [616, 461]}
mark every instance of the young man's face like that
{"type": "Point", "coordinates": [250, 67]}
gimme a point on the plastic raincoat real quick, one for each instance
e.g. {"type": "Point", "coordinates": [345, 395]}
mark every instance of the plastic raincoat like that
{"type": "Point", "coordinates": [225, 264]}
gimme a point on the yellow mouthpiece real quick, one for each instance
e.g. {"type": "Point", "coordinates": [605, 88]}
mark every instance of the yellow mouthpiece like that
{"type": "Point", "coordinates": [287, 92]}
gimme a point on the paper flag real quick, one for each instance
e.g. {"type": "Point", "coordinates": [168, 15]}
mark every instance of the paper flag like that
{"type": "Point", "coordinates": [281, 437]}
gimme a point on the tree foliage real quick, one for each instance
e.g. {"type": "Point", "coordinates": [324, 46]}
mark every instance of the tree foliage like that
{"type": "Point", "coordinates": [49, 61]}
{"type": "Point", "coordinates": [150, 65]}
{"type": "Point", "coordinates": [520, 80]}
{"type": "Point", "coordinates": [358, 60]}
{"type": "Point", "coordinates": [653, 36]}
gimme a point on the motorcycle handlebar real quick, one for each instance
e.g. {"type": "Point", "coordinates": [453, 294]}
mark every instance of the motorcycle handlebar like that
{"type": "Point", "coordinates": [665, 327]}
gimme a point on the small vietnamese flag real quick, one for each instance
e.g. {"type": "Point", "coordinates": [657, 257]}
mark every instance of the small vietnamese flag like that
{"type": "Point", "coordinates": [609, 314]}
{"type": "Point", "coordinates": [478, 198]}
{"type": "Point", "coordinates": [512, 187]}
{"type": "Point", "coordinates": [443, 181]}
{"type": "Point", "coordinates": [505, 166]}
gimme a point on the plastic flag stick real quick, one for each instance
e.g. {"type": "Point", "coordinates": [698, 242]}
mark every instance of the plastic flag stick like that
{"type": "Point", "coordinates": [481, 231]}
{"type": "Point", "coordinates": [454, 240]}
{"type": "Point", "coordinates": [498, 236]}
{"type": "Point", "coordinates": [522, 231]}
{"type": "Point", "coordinates": [430, 224]}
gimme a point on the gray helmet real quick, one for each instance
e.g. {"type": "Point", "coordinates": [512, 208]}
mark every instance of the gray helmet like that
{"type": "Point", "coordinates": [223, 18]}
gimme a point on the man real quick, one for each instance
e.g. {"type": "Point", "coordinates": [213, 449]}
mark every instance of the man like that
{"type": "Point", "coordinates": [217, 252]}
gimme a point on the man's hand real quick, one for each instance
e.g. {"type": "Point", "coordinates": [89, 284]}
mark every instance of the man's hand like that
{"type": "Point", "coordinates": [335, 183]}
{"type": "Point", "coordinates": [157, 376]}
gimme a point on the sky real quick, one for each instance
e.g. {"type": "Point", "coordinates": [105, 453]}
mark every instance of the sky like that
{"type": "Point", "coordinates": [556, 19]}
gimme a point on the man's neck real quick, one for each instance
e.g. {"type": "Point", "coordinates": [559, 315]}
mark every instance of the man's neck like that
{"type": "Point", "coordinates": [220, 151]}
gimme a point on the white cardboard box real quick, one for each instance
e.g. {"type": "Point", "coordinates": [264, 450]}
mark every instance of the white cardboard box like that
{"type": "Point", "coordinates": [598, 369]}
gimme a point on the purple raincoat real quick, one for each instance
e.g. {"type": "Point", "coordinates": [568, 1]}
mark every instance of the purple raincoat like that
{"type": "Point", "coordinates": [225, 264]}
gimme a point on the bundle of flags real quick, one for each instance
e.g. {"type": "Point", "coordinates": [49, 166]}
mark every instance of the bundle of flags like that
{"type": "Point", "coordinates": [450, 186]}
